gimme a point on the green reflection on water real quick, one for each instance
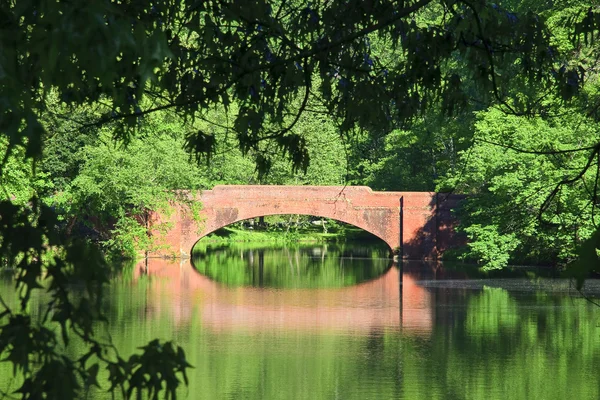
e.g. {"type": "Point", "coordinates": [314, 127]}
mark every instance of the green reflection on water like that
{"type": "Point", "coordinates": [308, 266]}
{"type": "Point", "coordinates": [521, 345]}
{"type": "Point", "coordinates": [484, 343]}
{"type": "Point", "coordinates": [488, 344]}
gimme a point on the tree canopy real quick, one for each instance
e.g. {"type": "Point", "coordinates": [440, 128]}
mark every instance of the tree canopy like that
{"type": "Point", "coordinates": [373, 64]}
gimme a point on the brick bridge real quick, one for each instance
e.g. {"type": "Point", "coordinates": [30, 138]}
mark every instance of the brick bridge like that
{"type": "Point", "coordinates": [417, 224]}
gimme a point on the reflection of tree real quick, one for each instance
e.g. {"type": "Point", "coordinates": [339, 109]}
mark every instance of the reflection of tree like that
{"type": "Point", "coordinates": [521, 345]}
{"type": "Point", "coordinates": [292, 268]}
{"type": "Point", "coordinates": [491, 312]}
{"type": "Point", "coordinates": [489, 344]}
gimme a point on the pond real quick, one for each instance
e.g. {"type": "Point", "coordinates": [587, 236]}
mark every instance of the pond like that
{"type": "Point", "coordinates": [343, 322]}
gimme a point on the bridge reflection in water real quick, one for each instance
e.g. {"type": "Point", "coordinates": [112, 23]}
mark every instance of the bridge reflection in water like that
{"type": "Point", "coordinates": [392, 301]}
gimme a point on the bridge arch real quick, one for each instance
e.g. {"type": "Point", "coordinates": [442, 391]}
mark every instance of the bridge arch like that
{"type": "Point", "coordinates": [363, 224]}
{"type": "Point", "coordinates": [418, 223]}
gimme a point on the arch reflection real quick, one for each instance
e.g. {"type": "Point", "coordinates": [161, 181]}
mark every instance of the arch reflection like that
{"type": "Point", "coordinates": [393, 301]}
{"type": "Point", "coordinates": [291, 267]}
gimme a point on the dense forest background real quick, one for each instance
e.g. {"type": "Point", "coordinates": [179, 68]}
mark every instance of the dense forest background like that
{"type": "Point", "coordinates": [509, 162]}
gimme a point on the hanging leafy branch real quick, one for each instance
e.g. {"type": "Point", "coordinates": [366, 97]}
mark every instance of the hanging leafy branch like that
{"type": "Point", "coordinates": [73, 274]}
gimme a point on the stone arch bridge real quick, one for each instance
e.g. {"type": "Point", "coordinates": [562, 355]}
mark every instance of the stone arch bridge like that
{"type": "Point", "coordinates": [415, 225]}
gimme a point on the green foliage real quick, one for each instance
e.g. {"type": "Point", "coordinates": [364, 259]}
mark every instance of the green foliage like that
{"type": "Point", "coordinates": [273, 60]}
{"type": "Point", "coordinates": [411, 159]}
{"type": "Point", "coordinates": [265, 67]}
{"type": "Point", "coordinates": [154, 371]}
{"type": "Point", "coordinates": [64, 140]}
{"type": "Point", "coordinates": [37, 346]}
{"type": "Point", "coordinates": [587, 261]}
{"type": "Point", "coordinates": [230, 165]}
{"type": "Point", "coordinates": [19, 182]}
{"type": "Point", "coordinates": [117, 187]}
{"type": "Point", "coordinates": [286, 229]}
{"type": "Point", "coordinates": [490, 247]}
{"type": "Point", "coordinates": [509, 214]}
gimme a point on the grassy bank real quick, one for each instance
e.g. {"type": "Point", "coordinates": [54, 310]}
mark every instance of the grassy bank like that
{"type": "Point", "coordinates": [308, 235]}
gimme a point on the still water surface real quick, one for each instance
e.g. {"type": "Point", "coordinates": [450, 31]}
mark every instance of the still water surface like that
{"type": "Point", "coordinates": [341, 322]}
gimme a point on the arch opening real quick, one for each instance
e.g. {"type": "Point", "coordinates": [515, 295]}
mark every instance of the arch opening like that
{"type": "Point", "coordinates": [226, 228]}
{"type": "Point", "coordinates": [299, 266]}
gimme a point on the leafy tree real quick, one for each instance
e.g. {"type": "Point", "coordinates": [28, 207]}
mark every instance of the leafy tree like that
{"type": "Point", "coordinates": [63, 141]}
{"type": "Point", "coordinates": [229, 164]}
{"type": "Point", "coordinates": [508, 215]}
{"type": "Point", "coordinates": [117, 187]}
{"type": "Point", "coordinates": [265, 56]}
{"type": "Point", "coordinates": [411, 159]}
{"type": "Point", "coordinates": [73, 274]}
{"type": "Point", "coordinates": [19, 182]}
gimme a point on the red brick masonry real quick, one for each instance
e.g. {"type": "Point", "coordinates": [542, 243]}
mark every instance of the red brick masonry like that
{"type": "Point", "coordinates": [427, 223]}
